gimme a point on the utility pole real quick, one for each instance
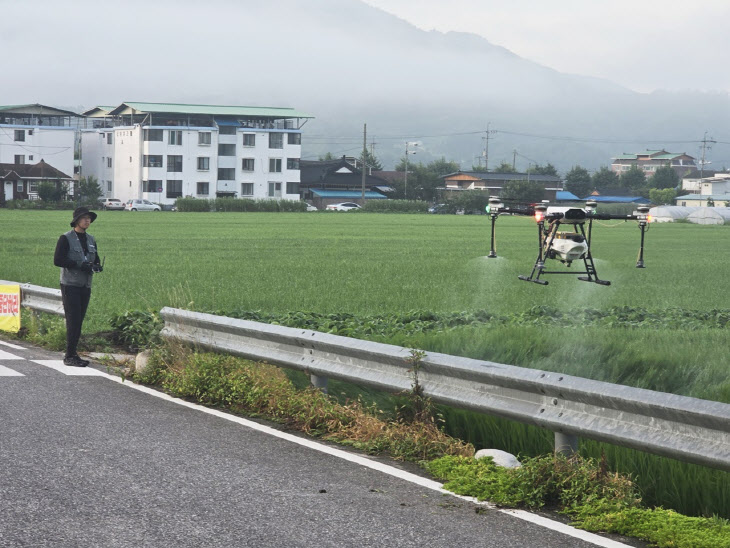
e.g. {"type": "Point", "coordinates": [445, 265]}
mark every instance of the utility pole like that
{"type": "Point", "coordinates": [364, 156]}
{"type": "Point", "coordinates": [486, 148]}
{"type": "Point", "coordinates": [405, 183]}
{"type": "Point", "coordinates": [514, 159]}
{"type": "Point", "coordinates": [702, 162]}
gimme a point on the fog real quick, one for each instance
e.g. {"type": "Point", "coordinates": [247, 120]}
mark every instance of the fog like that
{"type": "Point", "coordinates": [345, 63]}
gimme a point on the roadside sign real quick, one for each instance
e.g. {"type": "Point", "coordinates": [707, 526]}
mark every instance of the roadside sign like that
{"type": "Point", "coordinates": [10, 308]}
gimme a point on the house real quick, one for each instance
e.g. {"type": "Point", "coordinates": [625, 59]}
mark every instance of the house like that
{"type": "Point", "coordinates": [493, 183]}
{"type": "Point", "coordinates": [163, 151]}
{"type": "Point", "coordinates": [20, 181]}
{"type": "Point", "coordinates": [706, 182]}
{"type": "Point", "coordinates": [332, 181]}
{"type": "Point", "coordinates": [650, 160]}
{"type": "Point", "coordinates": [703, 200]}
{"type": "Point", "coordinates": [31, 132]}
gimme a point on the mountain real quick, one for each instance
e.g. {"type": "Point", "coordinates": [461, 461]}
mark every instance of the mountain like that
{"type": "Point", "coordinates": [347, 63]}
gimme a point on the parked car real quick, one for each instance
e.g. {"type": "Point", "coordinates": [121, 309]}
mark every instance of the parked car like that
{"type": "Point", "coordinates": [344, 206]}
{"type": "Point", "coordinates": [141, 205]}
{"type": "Point", "coordinates": [438, 208]}
{"type": "Point", "coordinates": [310, 207]}
{"type": "Point", "coordinates": [112, 204]}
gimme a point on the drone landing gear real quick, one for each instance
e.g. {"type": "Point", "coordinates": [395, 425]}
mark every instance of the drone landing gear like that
{"type": "Point", "coordinates": [528, 279]}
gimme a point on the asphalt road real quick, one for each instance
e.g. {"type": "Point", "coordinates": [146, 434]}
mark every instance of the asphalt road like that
{"type": "Point", "coordinates": [87, 461]}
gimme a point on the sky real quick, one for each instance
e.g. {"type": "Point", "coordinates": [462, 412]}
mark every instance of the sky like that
{"type": "Point", "coordinates": [643, 45]}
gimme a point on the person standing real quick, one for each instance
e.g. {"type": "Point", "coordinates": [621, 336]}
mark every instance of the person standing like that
{"type": "Point", "coordinates": [78, 257]}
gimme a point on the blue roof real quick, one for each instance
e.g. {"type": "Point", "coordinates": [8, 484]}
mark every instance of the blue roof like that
{"type": "Point", "coordinates": [565, 196]}
{"type": "Point", "coordinates": [349, 194]}
{"type": "Point", "coordinates": [227, 122]}
{"type": "Point", "coordinates": [620, 199]}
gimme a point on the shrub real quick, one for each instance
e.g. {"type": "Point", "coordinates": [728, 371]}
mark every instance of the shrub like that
{"type": "Point", "coordinates": [395, 206]}
{"type": "Point", "coordinates": [193, 204]}
{"type": "Point", "coordinates": [137, 329]}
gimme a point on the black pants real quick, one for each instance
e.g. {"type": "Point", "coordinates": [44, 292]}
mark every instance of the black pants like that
{"type": "Point", "coordinates": [75, 303]}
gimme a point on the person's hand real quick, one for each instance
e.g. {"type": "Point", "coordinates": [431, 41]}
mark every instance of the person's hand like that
{"type": "Point", "coordinates": [86, 267]}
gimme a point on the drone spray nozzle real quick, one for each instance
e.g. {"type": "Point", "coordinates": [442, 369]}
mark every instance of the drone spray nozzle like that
{"type": "Point", "coordinates": [540, 210]}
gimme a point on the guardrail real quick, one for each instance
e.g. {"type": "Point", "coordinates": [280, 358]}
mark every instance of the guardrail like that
{"type": "Point", "coordinates": [679, 427]}
{"type": "Point", "coordinates": [683, 428]}
{"type": "Point", "coordinates": [38, 298]}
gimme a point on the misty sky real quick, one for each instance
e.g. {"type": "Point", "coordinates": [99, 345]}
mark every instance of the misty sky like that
{"type": "Point", "coordinates": [641, 44]}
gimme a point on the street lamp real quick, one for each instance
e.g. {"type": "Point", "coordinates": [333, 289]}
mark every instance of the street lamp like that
{"type": "Point", "coordinates": [405, 184]}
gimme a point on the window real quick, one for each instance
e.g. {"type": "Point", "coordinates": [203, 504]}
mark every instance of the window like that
{"type": "Point", "coordinates": [226, 150]}
{"type": "Point", "coordinates": [292, 188]}
{"type": "Point", "coordinates": [249, 139]}
{"type": "Point", "coordinates": [33, 188]}
{"type": "Point", "coordinates": [294, 138]}
{"type": "Point", "coordinates": [30, 132]}
{"type": "Point", "coordinates": [174, 189]}
{"type": "Point", "coordinates": [30, 158]}
{"type": "Point", "coordinates": [19, 159]}
{"type": "Point", "coordinates": [276, 140]}
{"type": "Point", "coordinates": [174, 137]}
{"type": "Point", "coordinates": [203, 189]}
{"type": "Point", "coordinates": [227, 130]}
{"type": "Point", "coordinates": [246, 189]}
{"type": "Point", "coordinates": [203, 163]}
{"type": "Point", "coordinates": [204, 138]}
{"type": "Point", "coordinates": [274, 165]}
{"type": "Point", "coordinates": [153, 185]}
{"type": "Point", "coordinates": [19, 186]}
{"type": "Point", "coordinates": [247, 164]}
{"type": "Point", "coordinates": [20, 135]}
{"type": "Point", "coordinates": [109, 162]}
{"type": "Point", "coordinates": [274, 190]}
{"type": "Point", "coordinates": [109, 186]}
{"type": "Point", "coordinates": [174, 164]}
{"type": "Point", "coordinates": [152, 160]}
{"type": "Point", "coordinates": [226, 174]}
{"type": "Point", "coordinates": [109, 138]}
{"type": "Point", "coordinates": [292, 163]}
{"type": "Point", "coordinates": [152, 135]}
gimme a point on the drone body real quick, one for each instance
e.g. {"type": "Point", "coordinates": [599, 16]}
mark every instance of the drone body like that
{"type": "Point", "coordinates": [565, 246]}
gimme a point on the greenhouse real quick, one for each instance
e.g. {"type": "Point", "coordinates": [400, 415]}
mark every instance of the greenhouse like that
{"type": "Point", "coordinates": [709, 215]}
{"type": "Point", "coordinates": [669, 214]}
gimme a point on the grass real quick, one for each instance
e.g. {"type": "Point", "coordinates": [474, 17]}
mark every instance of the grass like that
{"type": "Point", "coordinates": [369, 264]}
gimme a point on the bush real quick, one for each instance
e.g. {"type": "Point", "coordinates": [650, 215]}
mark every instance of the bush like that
{"type": "Point", "coordinates": [245, 204]}
{"type": "Point", "coordinates": [193, 204]}
{"type": "Point", "coordinates": [136, 329]}
{"type": "Point", "coordinates": [395, 206]}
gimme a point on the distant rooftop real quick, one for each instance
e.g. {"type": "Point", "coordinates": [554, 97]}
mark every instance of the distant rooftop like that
{"type": "Point", "coordinates": [210, 110]}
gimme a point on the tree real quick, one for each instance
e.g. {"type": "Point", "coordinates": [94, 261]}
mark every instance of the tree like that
{"type": "Point", "coordinates": [549, 169]}
{"type": "Point", "coordinates": [48, 191]}
{"type": "Point", "coordinates": [664, 177]}
{"type": "Point", "coordinates": [633, 180]}
{"type": "Point", "coordinates": [88, 191]}
{"type": "Point", "coordinates": [662, 196]}
{"type": "Point", "coordinates": [578, 181]}
{"type": "Point", "coordinates": [371, 161]}
{"type": "Point", "coordinates": [522, 191]}
{"type": "Point", "coordinates": [504, 167]}
{"type": "Point", "coordinates": [605, 180]}
{"type": "Point", "coordinates": [327, 157]}
{"type": "Point", "coordinates": [423, 180]}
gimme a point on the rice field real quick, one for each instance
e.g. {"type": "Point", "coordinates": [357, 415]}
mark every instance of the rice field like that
{"type": "Point", "coordinates": [368, 264]}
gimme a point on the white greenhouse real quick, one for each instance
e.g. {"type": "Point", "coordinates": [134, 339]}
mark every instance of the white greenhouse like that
{"type": "Point", "coordinates": [710, 216]}
{"type": "Point", "coordinates": [669, 214]}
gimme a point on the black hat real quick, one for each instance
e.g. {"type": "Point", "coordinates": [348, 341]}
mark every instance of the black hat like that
{"type": "Point", "coordinates": [80, 212]}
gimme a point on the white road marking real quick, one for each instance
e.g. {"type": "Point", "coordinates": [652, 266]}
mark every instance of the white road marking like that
{"type": "Point", "coordinates": [15, 346]}
{"type": "Point", "coordinates": [8, 356]}
{"type": "Point", "coordinates": [70, 371]}
{"type": "Point", "coordinates": [379, 466]}
{"type": "Point", "coordinates": [7, 372]}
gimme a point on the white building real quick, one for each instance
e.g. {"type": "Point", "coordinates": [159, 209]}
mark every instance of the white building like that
{"type": "Point", "coordinates": [31, 133]}
{"type": "Point", "coordinates": [161, 152]}
{"type": "Point", "coordinates": [708, 182]}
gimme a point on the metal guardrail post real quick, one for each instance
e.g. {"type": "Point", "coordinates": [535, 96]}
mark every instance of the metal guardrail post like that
{"type": "Point", "coordinates": [319, 382]}
{"type": "Point", "coordinates": [566, 444]}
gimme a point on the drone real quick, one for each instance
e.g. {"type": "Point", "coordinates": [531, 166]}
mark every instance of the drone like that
{"type": "Point", "coordinates": [565, 246]}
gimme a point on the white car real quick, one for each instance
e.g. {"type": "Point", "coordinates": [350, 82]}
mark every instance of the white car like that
{"type": "Point", "coordinates": [310, 207]}
{"type": "Point", "coordinates": [141, 205]}
{"type": "Point", "coordinates": [112, 204]}
{"type": "Point", "coordinates": [344, 206]}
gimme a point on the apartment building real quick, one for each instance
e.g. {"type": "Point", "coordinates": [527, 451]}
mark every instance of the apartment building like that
{"type": "Point", "coordinates": [650, 160]}
{"type": "Point", "coordinates": [34, 133]}
{"type": "Point", "coordinates": [161, 152]}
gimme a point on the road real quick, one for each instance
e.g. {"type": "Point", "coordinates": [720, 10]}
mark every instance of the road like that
{"type": "Point", "coordinates": [89, 461]}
